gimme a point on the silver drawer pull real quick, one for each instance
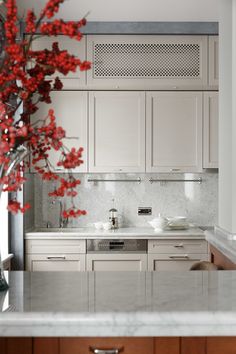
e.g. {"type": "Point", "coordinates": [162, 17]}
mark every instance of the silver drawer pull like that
{"type": "Point", "coordinates": [183, 256]}
{"type": "Point", "coordinates": [56, 257]}
{"type": "Point", "coordinates": [106, 351]}
{"type": "Point", "coordinates": [179, 246]}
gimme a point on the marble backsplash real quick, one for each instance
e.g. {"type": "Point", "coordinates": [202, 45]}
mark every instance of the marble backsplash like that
{"type": "Point", "coordinates": [196, 201]}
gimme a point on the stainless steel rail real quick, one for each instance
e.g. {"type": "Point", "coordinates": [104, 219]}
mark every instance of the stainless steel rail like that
{"type": "Point", "coordinates": [95, 180]}
{"type": "Point", "coordinates": [164, 180]}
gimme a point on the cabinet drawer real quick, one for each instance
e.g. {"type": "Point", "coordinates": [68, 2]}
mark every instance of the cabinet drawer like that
{"type": "Point", "coordinates": [177, 246]}
{"type": "Point", "coordinates": [55, 262]}
{"type": "Point", "coordinates": [123, 345]}
{"type": "Point", "coordinates": [55, 246]}
{"type": "Point", "coordinates": [174, 262]}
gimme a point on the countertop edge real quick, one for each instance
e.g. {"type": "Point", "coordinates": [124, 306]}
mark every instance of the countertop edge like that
{"type": "Point", "coordinates": [122, 324]}
{"type": "Point", "coordinates": [127, 233]}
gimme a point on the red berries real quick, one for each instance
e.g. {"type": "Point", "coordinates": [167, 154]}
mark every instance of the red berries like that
{"type": "Point", "coordinates": [14, 207]}
{"type": "Point", "coordinates": [73, 213]}
{"type": "Point", "coordinates": [27, 77]}
{"type": "Point", "coordinates": [70, 29]}
{"type": "Point", "coordinates": [72, 159]}
{"type": "Point", "coordinates": [51, 8]}
{"type": "Point", "coordinates": [30, 22]}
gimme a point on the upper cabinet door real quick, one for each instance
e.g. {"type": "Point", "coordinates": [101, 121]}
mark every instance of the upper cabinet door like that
{"type": "Point", "coordinates": [72, 80]}
{"type": "Point", "coordinates": [147, 61]}
{"type": "Point", "coordinates": [116, 131]}
{"type": "Point", "coordinates": [210, 130]}
{"type": "Point", "coordinates": [174, 132]}
{"type": "Point", "coordinates": [213, 62]}
{"type": "Point", "coordinates": [70, 109]}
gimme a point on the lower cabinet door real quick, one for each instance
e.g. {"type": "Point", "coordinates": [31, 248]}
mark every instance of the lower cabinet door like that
{"type": "Point", "coordinates": [193, 345]}
{"type": "Point", "coordinates": [3, 345]}
{"type": "Point", "coordinates": [116, 262]}
{"type": "Point", "coordinates": [221, 345]}
{"type": "Point", "coordinates": [55, 262]}
{"type": "Point", "coordinates": [15, 345]}
{"type": "Point", "coordinates": [173, 262]}
{"type": "Point", "coordinates": [46, 345]}
{"type": "Point", "coordinates": [167, 345]}
{"type": "Point", "coordinates": [107, 345]}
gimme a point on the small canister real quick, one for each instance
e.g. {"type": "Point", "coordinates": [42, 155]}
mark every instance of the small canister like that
{"type": "Point", "coordinates": [113, 218]}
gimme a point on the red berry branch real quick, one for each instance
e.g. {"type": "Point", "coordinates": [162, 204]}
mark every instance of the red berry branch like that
{"type": "Point", "coordinates": [22, 88]}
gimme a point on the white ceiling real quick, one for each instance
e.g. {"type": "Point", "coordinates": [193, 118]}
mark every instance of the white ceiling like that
{"type": "Point", "coordinates": [133, 10]}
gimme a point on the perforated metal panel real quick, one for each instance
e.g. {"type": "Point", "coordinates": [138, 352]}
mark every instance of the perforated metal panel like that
{"type": "Point", "coordinates": [147, 60]}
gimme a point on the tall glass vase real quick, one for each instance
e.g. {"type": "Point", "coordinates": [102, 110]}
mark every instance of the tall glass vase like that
{"type": "Point", "coordinates": [16, 156]}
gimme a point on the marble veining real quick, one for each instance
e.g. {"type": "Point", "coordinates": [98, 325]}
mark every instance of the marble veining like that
{"type": "Point", "coordinates": [120, 304]}
{"type": "Point", "coordinates": [196, 201]}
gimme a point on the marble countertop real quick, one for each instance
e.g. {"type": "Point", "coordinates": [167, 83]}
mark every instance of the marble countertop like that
{"type": "Point", "coordinates": [125, 232]}
{"type": "Point", "coordinates": [119, 304]}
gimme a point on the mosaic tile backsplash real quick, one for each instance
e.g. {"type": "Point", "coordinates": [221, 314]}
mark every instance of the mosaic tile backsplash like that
{"type": "Point", "coordinates": [196, 201]}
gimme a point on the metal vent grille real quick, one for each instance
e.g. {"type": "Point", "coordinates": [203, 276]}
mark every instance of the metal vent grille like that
{"type": "Point", "coordinates": [135, 60]}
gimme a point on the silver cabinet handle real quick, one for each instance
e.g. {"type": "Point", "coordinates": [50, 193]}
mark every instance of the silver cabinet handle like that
{"type": "Point", "coordinates": [175, 169]}
{"type": "Point", "coordinates": [56, 257]}
{"type": "Point", "coordinates": [106, 351]}
{"type": "Point", "coordinates": [179, 246]}
{"type": "Point", "coordinates": [182, 256]}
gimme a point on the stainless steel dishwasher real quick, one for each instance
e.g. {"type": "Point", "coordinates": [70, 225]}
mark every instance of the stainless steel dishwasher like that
{"type": "Point", "coordinates": [116, 255]}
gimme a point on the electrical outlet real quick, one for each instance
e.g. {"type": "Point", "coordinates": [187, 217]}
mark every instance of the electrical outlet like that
{"type": "Point", "coordinates": [144, 211]}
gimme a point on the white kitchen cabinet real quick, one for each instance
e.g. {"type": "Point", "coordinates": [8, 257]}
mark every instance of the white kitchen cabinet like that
{"type": "Point", "coordinates": [55, 255]}
{"type": "Point", "coordinates": [213, 62]}
{"type": "Point", "coordinates": [210, 130]}
{"type": "Point", "coordinates": [116, 262]}
{"type": "Point", "coordinates": [70, 109]}
{"type": "Point", "coordinates": [116, 131]}
{"type": "Point", "coordinates": [174, 132]}
{"type": "Point", "coordinates": [74, 80]}
{"type": "Point", "coordinates": [176, 255]}
{"type": "Point", "coordinates": [171, 62]}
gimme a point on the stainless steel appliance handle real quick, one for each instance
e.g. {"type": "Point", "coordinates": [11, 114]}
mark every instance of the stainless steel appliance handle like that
{"type": "Point", "coordinates": [106, 351]}
{"type": "Point", "coordinates": [56, 257]}
{"type": "Point", "coordinates": [182, 256]}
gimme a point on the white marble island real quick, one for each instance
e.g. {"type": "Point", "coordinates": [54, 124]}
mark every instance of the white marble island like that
{"type": "Point", "coordinates": [133, 304]}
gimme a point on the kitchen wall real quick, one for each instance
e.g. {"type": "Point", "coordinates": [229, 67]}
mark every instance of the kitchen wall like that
{"type": "Point", "coordinates": [133, 10]}
{"type": "Point", "coordinates": [197, 201]}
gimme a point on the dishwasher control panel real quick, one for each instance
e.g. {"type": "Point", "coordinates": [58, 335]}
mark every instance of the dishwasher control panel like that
{"type": "Point", "coordinates": [121, 246]}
